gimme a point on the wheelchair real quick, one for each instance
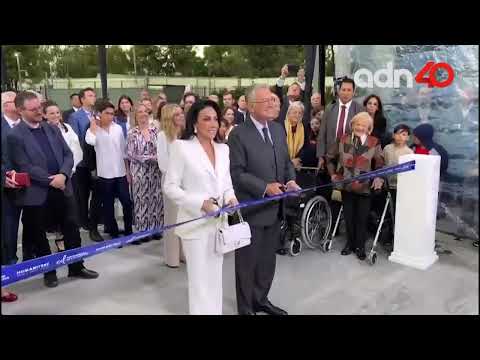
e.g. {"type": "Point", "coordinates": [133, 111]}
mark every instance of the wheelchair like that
{"type": "Point", "coordinates": [308, 218]}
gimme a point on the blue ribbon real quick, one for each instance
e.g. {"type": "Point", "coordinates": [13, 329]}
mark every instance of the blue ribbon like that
{"type": "Point", "coordinates": [27, 269]}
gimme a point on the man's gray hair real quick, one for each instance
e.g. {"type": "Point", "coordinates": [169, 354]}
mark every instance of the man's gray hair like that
{"type": "Point", "coordinates": [252, 92]}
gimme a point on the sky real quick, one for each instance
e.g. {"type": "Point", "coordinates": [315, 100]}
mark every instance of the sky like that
{"type": "Point", "coordinates": [198, 48]}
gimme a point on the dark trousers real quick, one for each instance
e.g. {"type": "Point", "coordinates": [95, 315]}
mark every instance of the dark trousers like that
{"type": "Point", "coordinates": [83, 184]}
{"type": "Point", "coordinates": [10, 221]}
{"type": "Point", "coordinates": [255, 267]}
{"type": "Point", "coordinates": [356, 208]}
{"type": "Point", "coordinates": [111, 189]}
{"type": "Point", "coordinates": [58, 209]}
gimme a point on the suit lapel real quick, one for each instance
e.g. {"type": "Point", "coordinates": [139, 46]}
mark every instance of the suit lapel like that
{"type": "Point", "coordinates": [204, 158]}
{"type": "Point", "coordinates": [31, 146]}
{"type": "Point", "coordinates": [53, 144]}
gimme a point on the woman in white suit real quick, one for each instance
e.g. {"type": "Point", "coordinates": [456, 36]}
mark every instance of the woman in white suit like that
{"type": "Point", "coordinates": [198, 181]}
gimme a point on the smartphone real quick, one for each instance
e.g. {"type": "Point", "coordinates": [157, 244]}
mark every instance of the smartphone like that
{"type": "Point", "coordinates": [293, 69]}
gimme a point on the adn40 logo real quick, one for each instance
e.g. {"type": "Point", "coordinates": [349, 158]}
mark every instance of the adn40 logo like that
{"type": "Point", "coordinates": [390, 78]}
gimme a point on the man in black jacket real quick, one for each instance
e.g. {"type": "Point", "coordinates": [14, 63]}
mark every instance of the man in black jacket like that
{"type": "Point", "coordinates": [76, 105]}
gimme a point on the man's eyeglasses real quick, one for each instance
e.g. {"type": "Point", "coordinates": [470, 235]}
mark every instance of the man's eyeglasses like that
{"type": "Point", "coordinates": [37, 109]}
{"type": "Point", "coordinates": [270, 100]}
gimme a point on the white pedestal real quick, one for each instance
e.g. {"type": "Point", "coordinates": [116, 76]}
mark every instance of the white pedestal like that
{"type": "Point", "coordinates": [416, 212]}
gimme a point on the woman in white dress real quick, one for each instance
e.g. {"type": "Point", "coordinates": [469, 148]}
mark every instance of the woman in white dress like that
{"type": "Point", "coordinates": [198, 181]}
{"type": "Point", "coordinates": [172, 125]}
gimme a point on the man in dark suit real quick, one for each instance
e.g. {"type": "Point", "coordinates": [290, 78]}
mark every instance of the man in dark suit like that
{"type": "Point", "coordinates": [337, 118]}
{"type": "Point", "coordinates": [260, 167]}
{"type": "Point", "coordinates": [76, 105]}
{"type": "Point", "coordinates": [241, 114]}
{"type": "Point", "coordinates": [10, 212]}
{"type": "Point", "coordinates": [87, 183]}
{"type": "Point", "coordinates": [38, 149]}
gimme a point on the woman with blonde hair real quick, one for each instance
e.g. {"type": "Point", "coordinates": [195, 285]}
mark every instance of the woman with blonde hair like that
{"type": "Point", "coordinates": [356, 153]}
{"type": "Point", "coordinates": [295, 132]}
{"type": "Point", "coordinates": [172, 125]}
{"type": "Point", "coordinates": [146, 191]}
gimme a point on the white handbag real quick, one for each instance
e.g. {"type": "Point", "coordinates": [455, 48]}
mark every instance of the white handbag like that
{"type": "Point", "coordinates": [230, 238]}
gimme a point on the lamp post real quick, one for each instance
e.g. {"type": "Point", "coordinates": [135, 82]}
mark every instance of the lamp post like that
{"type": "Point", "coordinates": [17, 55]}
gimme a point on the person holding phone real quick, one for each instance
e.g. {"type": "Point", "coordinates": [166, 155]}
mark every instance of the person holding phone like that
{"type": "Point", "coordinates": [107, 138]}
{"type": "Point", "coordinates": [294, 93]}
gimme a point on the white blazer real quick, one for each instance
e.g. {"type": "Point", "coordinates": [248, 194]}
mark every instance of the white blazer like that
{"type": "Point", "coordinates": [191, 179]}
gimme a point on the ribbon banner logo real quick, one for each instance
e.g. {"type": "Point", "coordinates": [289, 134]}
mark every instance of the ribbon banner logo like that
{"type": "Point", "coordinates": [18, 272]}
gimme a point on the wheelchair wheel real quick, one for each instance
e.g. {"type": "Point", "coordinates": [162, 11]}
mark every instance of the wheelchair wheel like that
{"type": "Point", "coordinates": [372, 258]}
{"type": "Point", "coordinates": [316, 222]}
{"type": "Point", "coordinates": [295, 247]}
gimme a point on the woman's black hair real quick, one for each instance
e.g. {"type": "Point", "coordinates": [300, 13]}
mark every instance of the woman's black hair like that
{"type": "Point", "coordinates": [192, 118]}
{"type": "Point", "coordinates": [49, 103]}
{"type": "Point", "coordinates": [379, 120]}
{"type": "Point", "coordinates": [119, 112]}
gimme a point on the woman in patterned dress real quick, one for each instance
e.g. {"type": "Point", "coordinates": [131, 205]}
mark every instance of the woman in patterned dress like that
{"type": "Point", "coordinates": [146, 176]}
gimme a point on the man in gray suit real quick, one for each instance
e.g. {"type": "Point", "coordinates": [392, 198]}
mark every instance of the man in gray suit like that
{"type": "Point", "coordinates": [337, 118]}
{"type": "Point", "coordinates": [260, 167]}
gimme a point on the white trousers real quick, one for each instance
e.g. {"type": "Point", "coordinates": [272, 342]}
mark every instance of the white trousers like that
{"type": "Point", "coordinates": [204, 270]}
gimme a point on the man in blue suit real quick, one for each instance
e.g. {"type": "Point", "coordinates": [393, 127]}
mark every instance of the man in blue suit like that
{"type": "Point", "coordinates": [80, 122]}
{"type": "Point", "coordinates": [38, 149]}
{"type": "Point", "coordinates": [10, 212]}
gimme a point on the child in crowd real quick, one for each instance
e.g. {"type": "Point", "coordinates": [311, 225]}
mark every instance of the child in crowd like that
{"type": "Point", "coordinates": [392, 152]}
{"type": "Point", "coordinates": [423, 144]}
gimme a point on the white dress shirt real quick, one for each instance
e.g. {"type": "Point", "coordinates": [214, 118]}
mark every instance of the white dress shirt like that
{"type": "Point", "coordinates": [340, 113]}
{"type": "Point", "coordinates": [11, 122]}
{"type": "Point", "coordinates": [260, 126]}
{"type": "Point", "coordinates": [110, 149]}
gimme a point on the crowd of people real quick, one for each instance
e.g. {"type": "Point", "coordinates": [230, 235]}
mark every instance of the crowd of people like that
{"type": "Point", "coordinates": [167, 163]}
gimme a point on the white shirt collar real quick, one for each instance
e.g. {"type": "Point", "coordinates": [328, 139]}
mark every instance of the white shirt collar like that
{"type": "Point", "coordinates": [347, 104]}
{"type": "Point", "coordinates": [258, 124]}
{"type": "Point", "coordinates": [10, 121]}
{"type": "Point", "coordinates": [75, 109]}
{"type": "Point", "coordinates": [36, 126]}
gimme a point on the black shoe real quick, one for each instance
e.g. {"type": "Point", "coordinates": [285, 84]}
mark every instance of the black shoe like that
{"type": "Point", "coordinates": [475, 243]}
{"type": "Point", "coordinates": [146, 239]}
{"type": "Point", "coordinates": [136, 242]}
{"type": "Point", "coordinates": [361, 254]}
{"type": "Point", "coordinates": [95, 236]}
{"type": "Point", "coordinates": [346, 250]}
{"type": "Point", "coordinates": [50, 280]}
{"type": "Point", "coordinates": [248, 312]}
{"type": "Point", "coordinates": [282, 252]}
{"type": "Point", "coordinates": [84, 274]}
{"type": "Point", "coordinates": [270, 309]}
{"type": "Point", "coordinates": [157, 236]}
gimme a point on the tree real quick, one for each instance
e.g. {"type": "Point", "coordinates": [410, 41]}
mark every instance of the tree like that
{"type": "Point", "coordinates": [117, 61]}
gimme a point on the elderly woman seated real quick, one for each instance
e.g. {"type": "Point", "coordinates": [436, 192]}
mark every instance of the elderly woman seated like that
{"type": "Point", "coordinates": [295, 132]}
{"type": "Point", "coordinates": [355, 154]}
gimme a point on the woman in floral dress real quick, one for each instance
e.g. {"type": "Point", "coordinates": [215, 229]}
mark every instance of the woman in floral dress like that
{"type": "Point", "coordinates": [146, 176]}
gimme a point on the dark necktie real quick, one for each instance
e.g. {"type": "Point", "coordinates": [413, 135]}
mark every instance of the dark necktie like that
{"type": "Point", "coordinates": [341, 123]}
{"type": "Point", "coordinates": [265, 136]}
